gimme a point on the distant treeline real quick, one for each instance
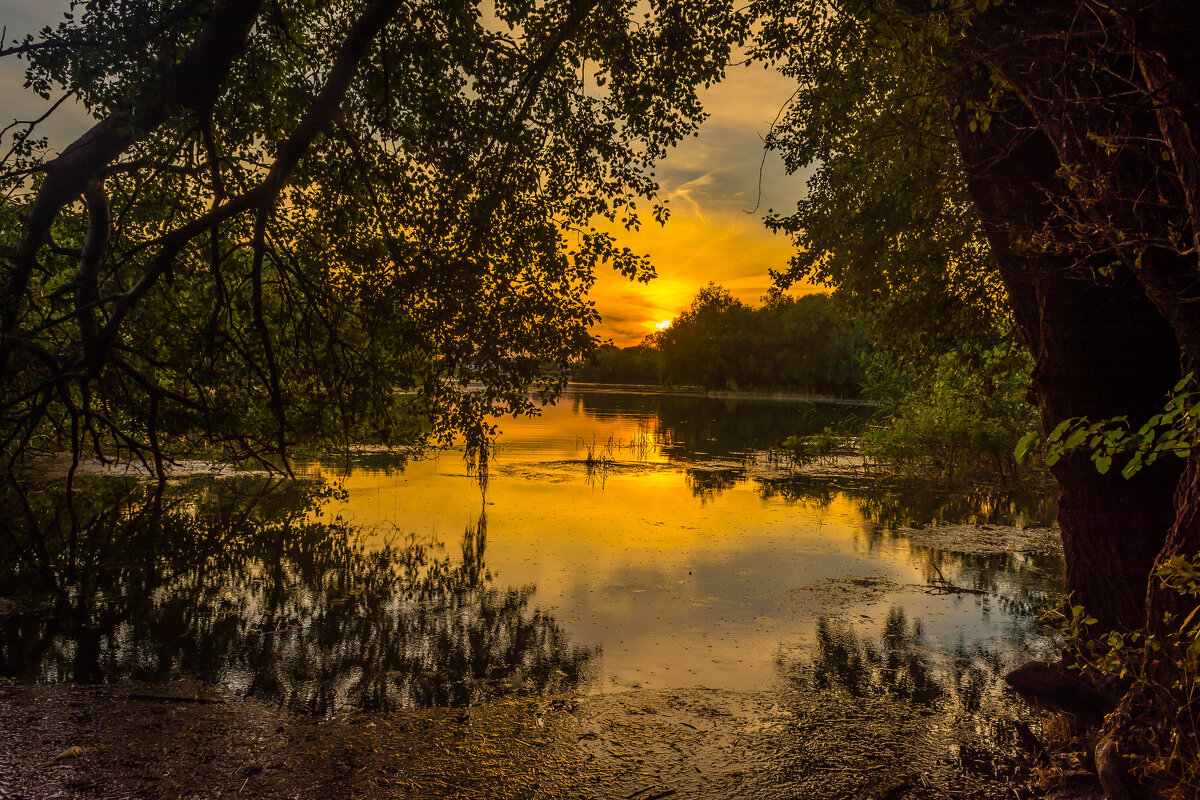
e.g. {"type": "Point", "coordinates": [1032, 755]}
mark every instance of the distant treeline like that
{"type": "Point", "coordinates": [722, 343]}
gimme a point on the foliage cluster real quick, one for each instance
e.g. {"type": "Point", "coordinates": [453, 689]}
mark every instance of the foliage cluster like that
{"type": "Point", "coordinates": [719, 342]}
{"type": "Point", "coordinates": [1162, 667]}
{"type": "Point", "coordinates": [637, 364]}
{"type": "Point", "coordinates": [955, 419]}
{"type": "Point", "coordinates": [312, 222]}
{"type": "Point", "coordinates": [886, 220]}
{"type": "Point", "coordinates": [823, 447]}
{"type": "Point", "coordinates": [963, 416]}
{"type": "Point", "coordinates": [1174, 431]}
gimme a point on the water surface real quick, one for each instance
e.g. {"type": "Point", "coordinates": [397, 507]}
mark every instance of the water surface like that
{"type": "Point", "coordinates": [656, 528]}
{"type": "Point", "coordinates": [624, 539]}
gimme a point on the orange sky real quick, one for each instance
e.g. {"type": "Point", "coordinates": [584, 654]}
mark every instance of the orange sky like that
{"type": "Point", "coordinates": [712, 182]}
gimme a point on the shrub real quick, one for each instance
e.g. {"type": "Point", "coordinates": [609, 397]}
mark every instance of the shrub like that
{"type": "Point", "coordinates": [963, 415]}
{"type": "Point", "coordinates": [1161, 665]}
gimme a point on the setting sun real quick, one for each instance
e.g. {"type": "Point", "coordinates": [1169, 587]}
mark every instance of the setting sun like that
{"type": "Point", "coordinates": [662, 326]}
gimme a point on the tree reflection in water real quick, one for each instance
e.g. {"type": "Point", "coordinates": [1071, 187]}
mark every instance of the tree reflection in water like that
{"type": "Point", "coordinates": [894, 503]}
{"type": "Point", "coordinates": [900, 666]}
{"type": "Point", "coordinates": [693, 427]}
{"type": "Point", "coordinates": [721, 443]}
{"type": "Point", "coordinates": [708, 483]}
{"type": "Point", "coordinates": [241, 582]}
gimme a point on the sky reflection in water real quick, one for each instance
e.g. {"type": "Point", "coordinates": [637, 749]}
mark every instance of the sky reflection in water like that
{"type": "Point", "coordinates": [685, 558]}
{"type": "Point", "coordinates": [689, 560]}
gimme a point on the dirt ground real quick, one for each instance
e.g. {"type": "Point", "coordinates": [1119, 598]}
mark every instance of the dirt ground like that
{"type": "Point", "coordinates": [176, 741]}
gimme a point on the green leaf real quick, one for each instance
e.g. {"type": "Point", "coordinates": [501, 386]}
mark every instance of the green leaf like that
{"type": "Point", "coordinates": [1134, 465]}
{"type": "Point", "coordinates": [1024, 445]}
{"type": "Point", "coordinates": [1188, 619]}
{"type": "Point", "coordinates": [1060, 429]}
{"type": "Point", "coordinates": [1077, 437]}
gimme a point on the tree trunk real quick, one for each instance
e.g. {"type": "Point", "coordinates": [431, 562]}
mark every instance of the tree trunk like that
{"type": "Point", "coordinates": [1119, 111]}
{"type": "Point", "coordinates": [1101, 349]}
{"type": "Point", "coordinates": [1113, 95]}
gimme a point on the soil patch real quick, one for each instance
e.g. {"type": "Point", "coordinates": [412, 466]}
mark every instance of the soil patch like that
{"type": "Point", "coordinates": [175, 741]}
{"type": "Point", "coordinates": [832, 594]}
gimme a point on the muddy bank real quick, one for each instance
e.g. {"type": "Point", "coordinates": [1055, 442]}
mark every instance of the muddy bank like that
{"type": "Point", "coordinates": [985, 539]}
{"type": "Point", "coordinates": [179, 741]}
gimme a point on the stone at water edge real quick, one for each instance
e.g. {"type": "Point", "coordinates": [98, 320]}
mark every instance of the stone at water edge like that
{"type": "Point", "coordinates": [1055, 682]}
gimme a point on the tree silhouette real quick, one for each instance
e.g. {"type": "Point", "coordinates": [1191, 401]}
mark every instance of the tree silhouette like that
{"type": "Point", "coordinates": [306, 222]}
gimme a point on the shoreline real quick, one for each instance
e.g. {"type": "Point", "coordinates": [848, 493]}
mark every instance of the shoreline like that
{"type": "Point", "coordinates": [723, 394]}
{"type": "Point", "coordinates": [174, 740]}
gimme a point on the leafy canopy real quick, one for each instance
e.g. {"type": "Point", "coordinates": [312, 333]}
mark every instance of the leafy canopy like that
{"type": "Point", "coordinates": [301, 222]}
{"type": "Point", "coordinates": [801, 343]}
{"type": "Point", "coordinates": [886, 219]}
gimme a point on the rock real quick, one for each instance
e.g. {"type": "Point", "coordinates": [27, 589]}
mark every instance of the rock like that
{"type": "Point", "coordinates": [1057, 684]}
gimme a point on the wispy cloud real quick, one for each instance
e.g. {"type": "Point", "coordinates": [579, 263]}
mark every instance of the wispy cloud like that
{"type": "Point", "coordinates": [718, 185]}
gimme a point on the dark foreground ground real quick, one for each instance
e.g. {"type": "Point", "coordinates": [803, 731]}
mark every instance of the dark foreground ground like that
{"type": "Point", "coordinates": [177, 741]}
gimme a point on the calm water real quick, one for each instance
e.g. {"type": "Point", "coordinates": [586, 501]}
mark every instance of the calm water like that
{"type": "Point", "coordinates": [622, 540]}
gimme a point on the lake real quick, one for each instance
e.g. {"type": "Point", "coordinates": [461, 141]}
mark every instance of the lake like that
{"type": "Point", "coordinates": [624, 540]}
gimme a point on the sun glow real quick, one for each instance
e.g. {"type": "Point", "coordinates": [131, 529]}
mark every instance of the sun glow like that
{"type": "Point", "coordinates": [662, 326]}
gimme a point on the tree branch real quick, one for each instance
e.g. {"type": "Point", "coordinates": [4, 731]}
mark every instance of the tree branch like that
{"type": "Point", "coordinates": [87, 292]}
{"type": "Point", "coordinates": [196, 83]}
{"type": "Point", "coordinates": [316, 120]}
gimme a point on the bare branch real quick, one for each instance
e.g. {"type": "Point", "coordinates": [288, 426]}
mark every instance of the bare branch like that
{"type": "Point", "coordinates": [87, 292]}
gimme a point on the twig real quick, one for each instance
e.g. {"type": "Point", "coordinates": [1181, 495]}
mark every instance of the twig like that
{"type": "Point", "coordinates": [164, 698]}
{"type": "Point", "coordinates": [947, 586]}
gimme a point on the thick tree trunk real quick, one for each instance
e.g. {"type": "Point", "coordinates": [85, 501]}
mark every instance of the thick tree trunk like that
{"type": "Point", "coordinates": [1119, 111]}
{"type": "Point", "coordinates": [1183, 540]}
{"type": "Point", "coordinates": [1109, 95]}
{"type": "Point", "coordinates": [1101, 349]}
{"type": "Point", "coordinates": [1162, 36]}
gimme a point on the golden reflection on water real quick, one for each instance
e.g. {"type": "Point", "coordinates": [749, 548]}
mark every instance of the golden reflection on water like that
{"type": "Point", "coordinates": [679, 586]}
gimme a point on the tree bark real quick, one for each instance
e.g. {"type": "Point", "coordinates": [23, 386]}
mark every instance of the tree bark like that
{"type": "Point", "coordinates": [1101, 349]}
{"type": "Point", "coordinates": [1120, 113]}
{"type": "Point", "coordinates": [1162, 38]}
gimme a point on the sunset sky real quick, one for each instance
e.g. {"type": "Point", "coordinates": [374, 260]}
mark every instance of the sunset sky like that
{"type": "Point", "coordinates": [712, 182]}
